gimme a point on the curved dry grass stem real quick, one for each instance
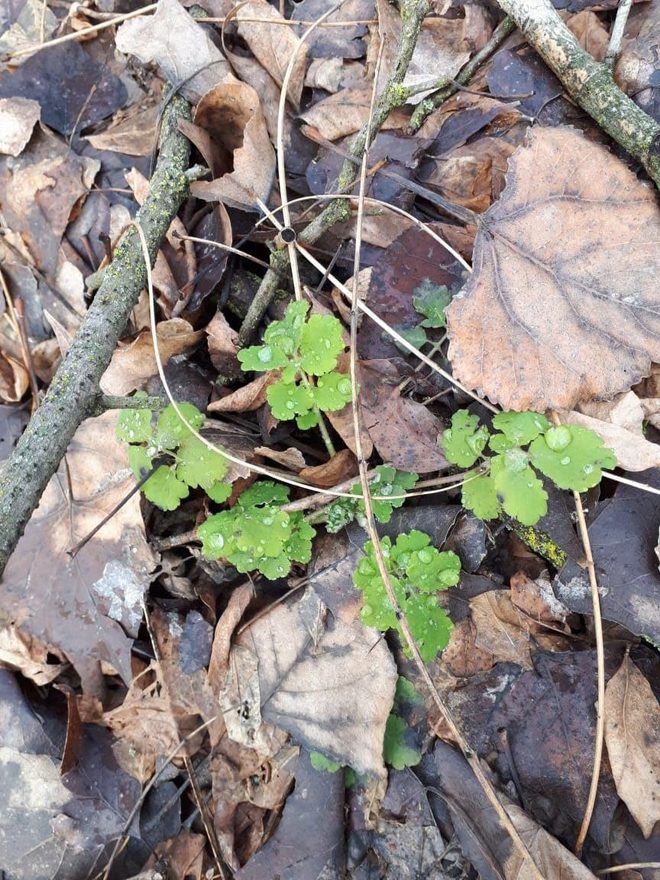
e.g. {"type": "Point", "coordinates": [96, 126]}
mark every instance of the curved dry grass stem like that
{"type": "Point", "coordinates": [600, 665]}
{"type": "Point", "coordinates": [372, 531]}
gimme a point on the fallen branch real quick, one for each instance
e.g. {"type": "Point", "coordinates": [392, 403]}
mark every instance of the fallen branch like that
{"type": "Point", "coordinates": [588, 82]}
{"type": "Point", "coordinates": [74, 392]}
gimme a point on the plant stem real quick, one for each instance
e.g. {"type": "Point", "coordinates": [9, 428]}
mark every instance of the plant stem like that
{"type": "Point", "coordinates": [325, 434]}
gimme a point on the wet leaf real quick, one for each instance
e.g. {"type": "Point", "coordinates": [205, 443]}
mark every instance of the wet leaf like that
{"type": "Point", "coordinates": [582, 238]}
{"type": "Point", "coordinates": [84, 606]}
{"type": "Point", "coordinates": [632, 722]}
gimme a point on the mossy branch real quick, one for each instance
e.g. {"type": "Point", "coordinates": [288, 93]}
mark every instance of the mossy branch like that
{"type": "Point", "coordinates": [74, 393]}
{"type": "Point", "coordinates": [588, 82]}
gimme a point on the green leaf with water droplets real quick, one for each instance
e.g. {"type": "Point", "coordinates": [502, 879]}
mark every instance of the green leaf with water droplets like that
{"type": "Point", "coordinates": [333, 391]}
{"type": "Point", "coordinates": [286, 334]}
{"type": "Point", "coordinates": [520, 427]}
{"type": "Point", "coordinates": [262, 357]}
{"type": "Point", "coordinates": [518, 490]}
{"type": "Point", "coordinates": [139, 460]}
{"type": "Point", "coordinates": [164, 490]}
{"type": "Point", "coordinates": [134, 425]}
{"type": "Point", "coordinates": [288, 401]}
{"type": "Point", "coordinates": [321, 344]}
{"type": "Point", "coordinates": [199, 466]}
{"type": "Point", "coordinates": [264, 492]}
{"type": "Point", "coordinates": [572, 457]}
{"type": "Point", "coordinates": [480, 496]}
{"type": "Point", "coordinates": [171, 430]}
{"type": "Point", "coordinates": [464, 442]}
{"type": "Point", "coordinates": [388, 481]}
{"type": "Point", "coordinates": [307, 420]}
{"type": "Point", "coordinates": [396, 752]}
{"type": "Point", "coordinates": [219, 492]}
{"type": "Point", "coordinates": [431, 300]}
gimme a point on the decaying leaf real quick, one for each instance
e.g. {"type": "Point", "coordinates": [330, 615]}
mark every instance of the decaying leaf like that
{"type": "Point", "coordinates": [230, 131]}
{"type": "Point", "coordinates": [632, 725]}
{"type": "Point", "coordinates": [83, 606]}
{"type": "Point", "coordinates": [181, 48]}
{"type": "Point", "coordinates": [247, 398]}
{"type": "Point", "coordinates": [18, 116]}
{"type": "Point", "coordinates": [499, 628]}
{"type": "Point", "coordinates": [563, 304]}
{"type": "Point", "coordinates": [273, 44]}
{"type": "Point", "coordinates": [134, 135]}
{"type": "Point", "coordinates": [331, 685]}
{"type": "Point", "coordinates": [130, 367]}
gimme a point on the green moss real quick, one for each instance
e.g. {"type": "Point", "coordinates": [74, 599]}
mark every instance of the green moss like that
{"type": "Point", "coordinates": [540, 543]}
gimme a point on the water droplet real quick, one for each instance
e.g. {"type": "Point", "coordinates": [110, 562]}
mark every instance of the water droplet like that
{"type": "Point", "coordinates": [290, 404]}
{"type": "Point", "coordinates": [267, 520]}
{"type": "Point", "coordinates": [566, 459]}
{"type": "Point", "coordinates": [425, 556]}
{"type": "Point", "coordinates": [218, 541]}
{"type": "Point", "coordinates": [265, 354]}
{"type": "Point", "coordinates": [367, 610]}
{"type": "Point", "coordinates": [558, 438]}
{"type": "Point", "coordinates": [344, 387]}
{"type": "Point", "coordinates": [588, 469]}
{"type": "Point", "coordinates": [326, 342]}
{"type": "Point", "coordinates": [386, 489]}
{"type": "Point", "coordinates": [259, 550]}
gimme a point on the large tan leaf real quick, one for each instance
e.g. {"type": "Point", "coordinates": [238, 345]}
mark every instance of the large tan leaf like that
{"type": "Point", "coordinates": [563, 304]}
{"type": "Point", "coordinates": [330, 684]}
{"type": "Point", "coordinates": [84, 606]}
{"type": "Point", "coordinates": [632, 722]}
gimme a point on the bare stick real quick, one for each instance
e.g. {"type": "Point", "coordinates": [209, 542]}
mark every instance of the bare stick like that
{"type": "Point", "coordinates": [428, 105]}
{"type": "Point", "coordinates": [589, 83]}
{"type": "Point", "coordinates": [74, 392]}
{"type": "Point", "coordinates": [622, 13]}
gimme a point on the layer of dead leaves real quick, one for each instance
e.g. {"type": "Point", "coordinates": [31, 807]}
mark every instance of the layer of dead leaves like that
{"type": "Point", "coordinates": [160, 713]}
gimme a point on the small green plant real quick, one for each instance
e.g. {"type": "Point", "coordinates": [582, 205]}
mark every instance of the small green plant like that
{"type": "Point", "coordinates": [301, 347]}
{"type": "Point", "coordinates": [396, 750]}
{"type": "Point", "coordinates": [417, 571]}
{"type": "Point", "coordinates": [570, 456]}
{"type": "Point", "coordinates": [188, 463]}
{"type": "Point", "coordinates": [256, 534]}
{"type": "Point", "coordinates": [429, 300]}
{"type": "Point", "coordinates": [387, 481]}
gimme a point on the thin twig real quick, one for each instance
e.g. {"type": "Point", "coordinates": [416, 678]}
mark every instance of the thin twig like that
{"type": "Point", "coordinates": [618, 29]}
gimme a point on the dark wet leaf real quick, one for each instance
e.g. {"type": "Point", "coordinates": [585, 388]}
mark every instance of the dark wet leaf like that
{"type": "Point", "coordinates": [334, 42]}
{"type": "Point", "coordinates": [74, 91]}
{"type": "Point", "coordinates": [309, 841]}
{"type": "Point", "coordinates": [623, 540]}
{"type": "Point", "coordinates": [524, 76]}
{"type": "Point", "coordinates": [414, 260]}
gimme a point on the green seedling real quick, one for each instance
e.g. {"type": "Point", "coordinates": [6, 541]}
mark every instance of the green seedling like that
{"type": "Point", "coordinates": [570, 456]}
{"type": "Point", "coordinates": [387, 481]}
{"type": "Point", "coordinates": [305, 349]}
{"type": "Point", "coordinates": [256, 534]}
{"type": "Point", "coordinates": [190, 463]}
{"type": "Point", "coordinates": [418, 571]}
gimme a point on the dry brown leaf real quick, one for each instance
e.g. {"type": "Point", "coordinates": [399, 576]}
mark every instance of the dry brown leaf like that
{"type": "Point", "coordinates": [223, 346]}
{"type": "Point", "coordinates": [131, 366]}
{"type": "Point", "coordinates": [18, 116]}
{"type": "Point", "coordinates": [273, 44]}
{"type": "Point", "coordinates": [346, 112]}
{"type": "Point", "coordinates": [339, 468]}
{"type": "Point", "coordinates": [499, 628]}
{"type": "Point", "coordinates": [290, 458]}
{"type": "Point", "coordinates": [632, 736]}
{"type": "Point", "coordinates": [590, 32]}
{"type": "Point", "coordinates": [405, 433]}
{"type": "Point", "coordinates": [133, 135]}
{"type": "Point", "coordinates": [620, 426]}
{"type": "Point", "coordinates": [14, 380]}
{"type": "Point", "coordinates": [34, 660]}
{"type": "Point", "coordinates": [247, 398]}
{"type": "Point", "coordinates": [234, 141]}
{"type": "Point", "coordinates": [33, 25]}
{"type": "Point", "coordinates": [38, 192]}
{"type": "Point", "coordinates": [330, 686]}
{"type": "Point", "coordinates": [182, 49]}
{"type": "Point", "coordinates": [462, 656]}
{"type": "Point", "coordinates": [563, 302]}
{"type": "Point", "coordinates": [83, 606]}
